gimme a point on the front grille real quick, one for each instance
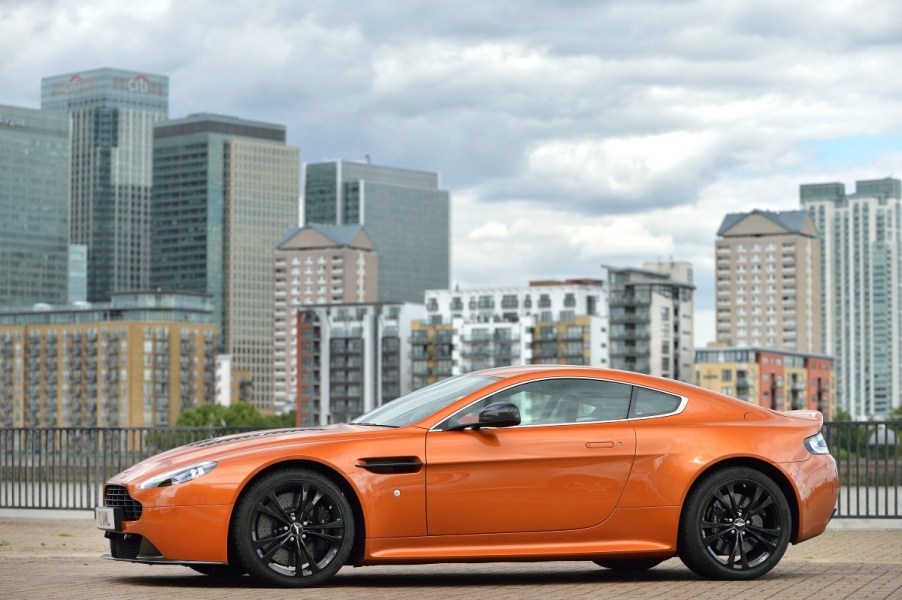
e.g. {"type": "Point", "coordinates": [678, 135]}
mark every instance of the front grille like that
{"type": "Point", "coordinates": [126, 546]}
{"type": "Point", "coordinates": [117, 496]}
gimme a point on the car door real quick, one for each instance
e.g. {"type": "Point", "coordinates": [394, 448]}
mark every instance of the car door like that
{"type": "Point", "coordinates": [564, 467]}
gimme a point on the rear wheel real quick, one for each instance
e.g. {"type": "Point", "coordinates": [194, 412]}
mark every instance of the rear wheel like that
{"type": "Point", "coordinates": [735, 525]}
{"type": "Point", "coordinates": [293, 528]}
{"type": "Point", "coordinates": [629, 564]}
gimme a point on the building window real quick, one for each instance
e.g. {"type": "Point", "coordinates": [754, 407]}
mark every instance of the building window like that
{"type": "Point", "coordinates": [486, 302]}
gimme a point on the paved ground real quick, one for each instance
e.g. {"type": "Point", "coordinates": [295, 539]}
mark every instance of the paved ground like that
{"type": "Point", "coordinates": [55, 555]}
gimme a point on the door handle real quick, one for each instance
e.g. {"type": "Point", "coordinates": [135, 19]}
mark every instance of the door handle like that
{"type": "Point", "coordinates": [599, 444]}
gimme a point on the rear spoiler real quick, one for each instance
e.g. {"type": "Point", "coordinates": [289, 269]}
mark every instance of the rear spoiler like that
{"type": "Point", "coordinates": [806, 415]}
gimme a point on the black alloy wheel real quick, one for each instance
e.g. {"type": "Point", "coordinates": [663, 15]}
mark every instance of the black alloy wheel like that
{"type": "Point", "coordinates": [293, 528]}
{"type": "Point", "coordinates": [735, 525]}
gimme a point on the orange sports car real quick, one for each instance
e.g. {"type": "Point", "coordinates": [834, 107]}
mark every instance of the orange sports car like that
{"type": "Point", "coordinates": [517, 463]}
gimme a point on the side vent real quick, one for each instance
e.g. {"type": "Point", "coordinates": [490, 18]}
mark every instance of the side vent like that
{"type": "Point", "coordinates": [391, 465]}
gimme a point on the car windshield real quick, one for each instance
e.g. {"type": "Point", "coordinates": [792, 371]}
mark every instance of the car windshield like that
{"type": "Point", "coordinates": [424, 402]}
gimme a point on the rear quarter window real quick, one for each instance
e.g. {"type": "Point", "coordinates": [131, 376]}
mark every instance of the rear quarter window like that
{"type": "Point", "coordinates": [652, 403]}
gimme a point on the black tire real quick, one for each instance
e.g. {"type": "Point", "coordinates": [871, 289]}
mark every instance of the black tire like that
{"type": "Point", "coordinates": [293, 528]}
{"type": "Point", "coordinates": [218, 571]}
{"type": "Point", "coordinates": [735, 525]}
{"type": "Point", "coordinates": [629, 564]}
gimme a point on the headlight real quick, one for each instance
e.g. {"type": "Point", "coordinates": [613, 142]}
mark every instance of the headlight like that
{"type": "Point", "coordinates": [816, 444]}
{"type": "Point", "coordinates": [179, 475]}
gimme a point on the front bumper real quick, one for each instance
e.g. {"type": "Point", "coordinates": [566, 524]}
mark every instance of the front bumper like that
{"type": "Point", "coordinates": [174, 535]}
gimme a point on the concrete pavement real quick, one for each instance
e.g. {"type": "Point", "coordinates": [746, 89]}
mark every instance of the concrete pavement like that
{"type": "Point", "coordinates": [56, 554]}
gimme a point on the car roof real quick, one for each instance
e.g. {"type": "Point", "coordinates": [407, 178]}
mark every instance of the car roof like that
{"type": "Point", "coordinates": [630, 377]}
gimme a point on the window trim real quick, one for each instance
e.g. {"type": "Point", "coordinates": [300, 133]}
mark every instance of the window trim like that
{"type": "Point", "coordinates": [684, 401]}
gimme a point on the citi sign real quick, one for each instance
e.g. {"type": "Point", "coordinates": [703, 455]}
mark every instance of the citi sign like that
{"type": "Point", "coordinates": [139, 84]}
{"type": "Point", "coordinates": [74, 85]}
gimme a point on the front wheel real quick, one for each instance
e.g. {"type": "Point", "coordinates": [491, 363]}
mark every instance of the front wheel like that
{"type": "Point", "coordinates": [735, 525]}
{"type": "Point", "coordinates": [293, 528]}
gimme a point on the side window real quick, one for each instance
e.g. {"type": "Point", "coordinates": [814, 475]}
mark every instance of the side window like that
{"type": "Point", "coordinates": [650, 403]}
{"type": "Point", "coordinates": [558, 401]}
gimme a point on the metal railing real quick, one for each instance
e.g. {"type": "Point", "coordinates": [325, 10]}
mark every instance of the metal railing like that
{"type": "Point", "coordinates": [870, 468]}
{"type": "Point", "coordinates": [65, 468]}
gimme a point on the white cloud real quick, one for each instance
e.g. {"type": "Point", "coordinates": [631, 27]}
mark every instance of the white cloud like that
{"type": "Point", "coordinates": [570, 134]}
{"type": "Point", "coordinates": [489, 231]}
{"type": "Point", "coordinates": [626, 166]}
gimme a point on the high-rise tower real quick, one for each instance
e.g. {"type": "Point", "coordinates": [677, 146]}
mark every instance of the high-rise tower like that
{"type": "Point", "coordinates": [225, 192]}
{"type": "Point", "coordinates": [405, 213]}
{"type": "Point", "coordinates": [112, 114]}
{"type": "Point", "coordinates": [34, 206]}
{"type": "Point", "coordinates": [769, 281]}
{"type": "Point", "coordinates": [861, 266]}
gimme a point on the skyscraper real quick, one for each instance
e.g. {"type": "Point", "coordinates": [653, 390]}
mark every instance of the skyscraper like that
{"type": "Point", "coordinates": [315, 264]}
{"type": "Point", "coordinates": [225, 192]}
{"type": "Point", "coordinates": [405, 213]}
{"type": "Point", "coordinates": [861, 265]}
{"type": "Point", "coordinates": [34, 197]}
{"type": "Point", "coordinates": [112, 115]}
{"type": "Point", "coordinates": [769, 280]}
{"type": "Point", "coordinates": [651, 312]}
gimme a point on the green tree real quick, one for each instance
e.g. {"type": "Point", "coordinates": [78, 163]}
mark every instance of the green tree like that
{"type": "Point", "coordinates": [279, 421]}
{"type": "Point", "coordinates": [207, 415]}
{"type": "Point", "coordinates": [240, 414]}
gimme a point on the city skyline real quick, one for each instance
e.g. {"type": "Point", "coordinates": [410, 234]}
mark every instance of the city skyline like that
{"type": "Point", "coordinates": [615, 133]}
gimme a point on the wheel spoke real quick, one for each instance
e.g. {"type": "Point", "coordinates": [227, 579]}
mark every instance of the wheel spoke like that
{"type": "Point", "coordinates": [743, 559]}
{"type": "Point", "coordinates": [309, 505]}
{"type": "Point", "coordinates": [281, 515]}
{"type": "Point", "coordinates": [732, 558]}
{"type": "Point", "coordinates": [726, 502]}
{"type": "Point", "coordinates": [737, 552]}
{"type": "Point", "coordinates": [755, 533]}
{"type": "Point", "coordinates": [333, 539]}
{"type": "Point", "coordinates": [308, 556]}
{"type": "Point", "coordinates": [756, 509]}
{"type": "Point", "coordinates": [262, 541]}
{"type": "Point", "coordinates": [714, 536]}
{"type": "Point", "coordinates": [268, 554]}
{"type": "Point", "coordinates": [337, 524]}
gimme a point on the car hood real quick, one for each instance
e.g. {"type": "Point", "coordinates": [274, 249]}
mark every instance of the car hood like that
{"type": "Point", "coordinates": [223, 447]}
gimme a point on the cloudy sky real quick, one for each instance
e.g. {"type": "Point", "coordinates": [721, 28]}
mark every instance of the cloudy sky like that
{"type": "Point", "coordinates": [571, 134]}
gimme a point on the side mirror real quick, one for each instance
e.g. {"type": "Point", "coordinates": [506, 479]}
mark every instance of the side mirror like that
{"type": "Point", "coordinates": [499, 414]}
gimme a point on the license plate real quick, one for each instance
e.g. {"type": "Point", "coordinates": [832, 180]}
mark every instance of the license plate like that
{"type": "Point", "coordinates": [107, 518]}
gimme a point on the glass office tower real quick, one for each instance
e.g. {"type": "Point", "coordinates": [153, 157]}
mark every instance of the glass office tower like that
{"type": "Point", "coordinates": [861, 290]}
{"type": "Point", "coordinates": [34, 196]}
{"type": "Point", "coordinates": [405, 213]}
{"type": "Point", "coordinates": [112, 114]}
{"type": "Point", "coordinates": [225, 192]}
